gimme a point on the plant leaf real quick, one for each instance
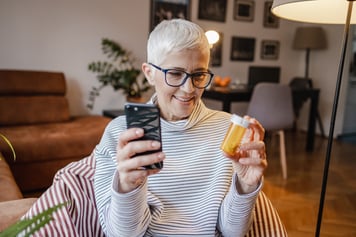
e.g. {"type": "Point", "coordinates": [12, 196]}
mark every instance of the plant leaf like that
{"type": "Point", "coordinates": [27, 227]}
{"type": "Point", "coordinates": [10, 145]}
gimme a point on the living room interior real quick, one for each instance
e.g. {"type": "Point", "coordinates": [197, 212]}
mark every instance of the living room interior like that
{"type": "Point", "coordinates": [65, 36]}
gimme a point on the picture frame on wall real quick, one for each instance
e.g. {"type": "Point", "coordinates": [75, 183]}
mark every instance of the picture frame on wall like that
{"type": "Point", "coordinates": [270, 49]}
{"type": "Point", "coordinates": [212, 10]}
{"type": "Point", "coordinates": [216, 52]}
{"type": "Point", "coordinates": [242, 48]}
{"type": "Point", "coordinates": [269, 20]}
{"type": "Point", "coordinates": [244, 10]}
{"type": "Point", "coordinates": [168, 9]}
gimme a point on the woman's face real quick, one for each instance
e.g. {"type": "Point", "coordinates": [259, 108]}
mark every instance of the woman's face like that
{"type": "Point", "coordinates": [177, 103]}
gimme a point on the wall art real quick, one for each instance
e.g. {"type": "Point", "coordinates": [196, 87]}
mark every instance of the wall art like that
{"type": "Point", "coordinates": [242, 49]}
{"type": "Point", "coordinates": [269, 49]}
{"type": "Point", "coordinates": [212, 10]}
{"type": "Point", "coordinates": [244, 10]}
{"type": "Point", "coordinates": [168, 9]}
{"type": "Point", "coordinates": [269, 19]}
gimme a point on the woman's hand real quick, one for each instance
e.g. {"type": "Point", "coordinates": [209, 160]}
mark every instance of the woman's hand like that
{"type": "Point", "coordinates": [250, 161]}
{"type": "Point", "coordinates": [131, 173]}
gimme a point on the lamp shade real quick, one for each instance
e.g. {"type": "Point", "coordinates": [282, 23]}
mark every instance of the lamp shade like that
{"type": "Point", "coordinates": [309, 38]}
{"type": "Point", "coordinates": [212, 36]}
{"type": "Point", "coordinates": [314, 11]}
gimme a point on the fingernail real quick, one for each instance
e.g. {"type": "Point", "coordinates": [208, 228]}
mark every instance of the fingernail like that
{"type": "Point", "coordinates": [155, 144]}
{"type": "Point", "coordinates": [161, 156]}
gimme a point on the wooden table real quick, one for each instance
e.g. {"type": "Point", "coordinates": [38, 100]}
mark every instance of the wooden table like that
{"type": "Point", "coordinates": [227, 96]}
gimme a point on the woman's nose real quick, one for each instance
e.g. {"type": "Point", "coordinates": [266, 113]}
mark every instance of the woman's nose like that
{"type": "Point", "coordinates": [188, 85]}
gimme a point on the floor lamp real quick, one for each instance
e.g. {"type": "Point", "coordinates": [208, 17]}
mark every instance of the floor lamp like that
{"type": "Point", "coordinates": [323, 12]}
{"type": "Point", "coordinates": [310, 38]}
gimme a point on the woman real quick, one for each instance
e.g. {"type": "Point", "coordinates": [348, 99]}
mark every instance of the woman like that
{"type": "Point", "coordinates": [200, 191]}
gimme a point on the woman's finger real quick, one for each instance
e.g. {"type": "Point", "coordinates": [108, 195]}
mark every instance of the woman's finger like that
{"type": "Point", "coordinates": [129, 135]}
{"type": "Point", "coordinates": [255, 145]}
{"type": "Point", "coordinates": [256, 127]}
{"type": "Point", "coordinates": [137, 162]}
{"type": "Point", "coordinates": [127, 148]}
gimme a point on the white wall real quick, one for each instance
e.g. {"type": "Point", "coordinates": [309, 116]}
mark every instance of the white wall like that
{"type": "Point", "coordinates": [65, 36]}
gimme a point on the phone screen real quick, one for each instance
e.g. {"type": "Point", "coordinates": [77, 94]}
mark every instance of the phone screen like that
{"type": "Point", "coordinates": [146, 116]}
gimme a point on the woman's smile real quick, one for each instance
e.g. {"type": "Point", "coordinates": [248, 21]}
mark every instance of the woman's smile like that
{"type": "Point", "coordinates": [184, 99]}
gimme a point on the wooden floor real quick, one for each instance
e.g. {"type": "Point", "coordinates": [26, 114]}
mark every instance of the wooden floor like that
{"type": "Point", "coordinates": [297, 198]}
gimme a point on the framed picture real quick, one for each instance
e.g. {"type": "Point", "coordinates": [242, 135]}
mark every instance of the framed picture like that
{"type": "Point", "coordinates": [212, 10]}
{"type": "Point", "coordinates": [269, 20]}
{"type": "Point", "coordinates": [244, 10]}
{"type": "Point", "coordinates": [269, 49]}
{"type": "Point", "coordinates": [216, 52]}
{"type": "Point", "coordinates": [242, 49]}
{"type": "Point", "coordinates": [168, 9]}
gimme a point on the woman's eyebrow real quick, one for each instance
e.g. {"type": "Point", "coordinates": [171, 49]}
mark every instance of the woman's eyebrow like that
{"type": "Point", "coordinates": [202, 69]}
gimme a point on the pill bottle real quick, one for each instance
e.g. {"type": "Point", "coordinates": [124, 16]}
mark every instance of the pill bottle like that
{"type": "Point", "coordinates": [234, 134]}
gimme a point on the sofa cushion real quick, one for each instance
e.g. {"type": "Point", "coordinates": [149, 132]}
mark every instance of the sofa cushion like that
{"type": "Point", "coordinates": [74, 138]}
{"type": "Point", "coordinates": [21, 82]}
{"type": "Point", "coordinates": [22, 110]}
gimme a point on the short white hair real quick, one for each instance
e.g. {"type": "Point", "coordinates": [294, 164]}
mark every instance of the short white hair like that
{"type": "Point", "coordinates": [175, 35]}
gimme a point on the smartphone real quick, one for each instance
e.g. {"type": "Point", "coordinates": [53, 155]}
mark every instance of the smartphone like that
{"type": "Point", "coordinates": [146, 116]}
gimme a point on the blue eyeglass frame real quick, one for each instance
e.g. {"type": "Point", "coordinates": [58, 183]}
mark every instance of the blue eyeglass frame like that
{"type": "Point", "coordinates": [186, 78]}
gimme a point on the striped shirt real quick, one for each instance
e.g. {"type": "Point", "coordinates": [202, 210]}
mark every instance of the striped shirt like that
{"type": "Point", "coordinates": [73, 185]}
{"type": "Point", "coordinates": [193, 195]}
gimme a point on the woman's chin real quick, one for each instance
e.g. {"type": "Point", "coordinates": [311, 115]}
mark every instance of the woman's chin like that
{"type": "Point", "coordinates": [181, 113]}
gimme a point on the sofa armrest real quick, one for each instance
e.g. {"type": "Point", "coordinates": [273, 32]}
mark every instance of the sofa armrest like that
{"type": "Point", "coordinates": [12, 211]}
{"type": "Point", "coordinates": [8, 185]}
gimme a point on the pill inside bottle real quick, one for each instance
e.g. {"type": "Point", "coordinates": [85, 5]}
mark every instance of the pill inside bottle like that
{"type": "Point", "coordinates": [234, 134]}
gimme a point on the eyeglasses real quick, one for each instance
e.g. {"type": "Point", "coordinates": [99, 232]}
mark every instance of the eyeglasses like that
{"type": "Point", "coordinates": [176, 77]}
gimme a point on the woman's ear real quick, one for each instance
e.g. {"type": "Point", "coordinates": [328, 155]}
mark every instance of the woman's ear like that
{"type": "Point", "coordinates": [147, 70]}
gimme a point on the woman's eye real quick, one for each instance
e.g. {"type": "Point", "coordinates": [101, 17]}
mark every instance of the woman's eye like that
{"type": "Point", "coordinates": [200, 75]}
{"type": "Point", "coordinates": [175, 73]}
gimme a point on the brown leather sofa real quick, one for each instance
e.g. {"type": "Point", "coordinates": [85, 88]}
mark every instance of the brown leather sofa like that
{"type": "Point", "coordinates": [35, 117]}
{"type": "Point", "coordinates": [12, 203]}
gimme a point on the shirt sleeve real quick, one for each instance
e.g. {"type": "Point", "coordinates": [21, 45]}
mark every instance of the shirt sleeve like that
{"type": "Point", "coordinates": [129, 214]}
{"type": "Point", "coordinates": [120, 214]}
{"type": "Point", "coordinates": [236, 211]}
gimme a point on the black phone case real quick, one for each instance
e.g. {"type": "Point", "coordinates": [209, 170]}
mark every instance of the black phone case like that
{"type": "Point", "coordinates": [146, 116]}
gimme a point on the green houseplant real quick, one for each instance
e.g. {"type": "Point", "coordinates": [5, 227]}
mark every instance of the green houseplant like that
{"type": "Point", "coordinates": [120, 72]}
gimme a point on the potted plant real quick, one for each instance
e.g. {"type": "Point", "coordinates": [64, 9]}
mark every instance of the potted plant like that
{"type": "Point", "coordinates": [120, 72]}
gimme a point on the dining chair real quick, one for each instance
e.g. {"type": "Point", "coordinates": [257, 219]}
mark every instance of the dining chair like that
{"type": "Point", "coordinates": [300, 83]}
{"type": "Point", "coordinates": [271, 104]}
